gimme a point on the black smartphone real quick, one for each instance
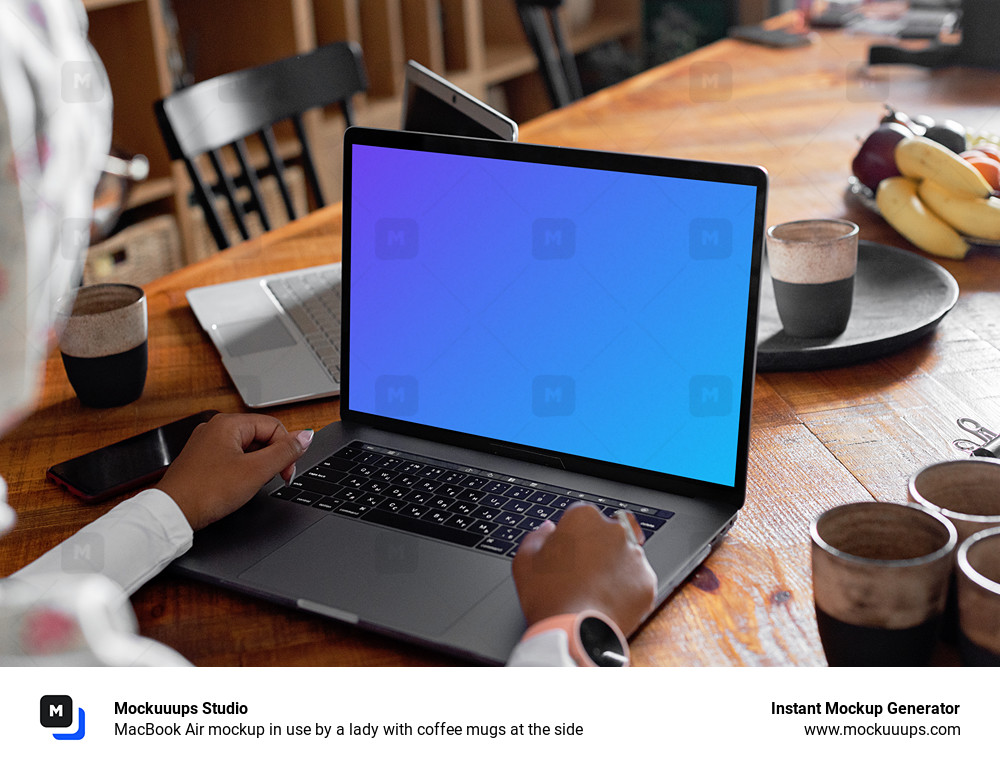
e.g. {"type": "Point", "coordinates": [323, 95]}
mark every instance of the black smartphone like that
{"type": "Point", "coordinates": [128, 464]}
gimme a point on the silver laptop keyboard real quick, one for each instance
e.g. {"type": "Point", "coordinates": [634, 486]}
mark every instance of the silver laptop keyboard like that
{"type": "Point", "coordinates": [457, 504]}
{"type": "Point", "coordinates": [312, 302]}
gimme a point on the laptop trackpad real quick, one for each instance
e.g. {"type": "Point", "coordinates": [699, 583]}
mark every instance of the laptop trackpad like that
{"type": "Point", "coordinates": [260, 334]}
{"type": "Point", "coordinates": [391, 579]}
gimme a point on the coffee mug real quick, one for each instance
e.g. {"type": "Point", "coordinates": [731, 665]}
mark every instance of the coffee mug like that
{"type": "Point", "coordinates": [880, 579]}
{"type": "Point", "coordinates": [104, 343]}
{"type": "Point", "coordinates": [979, 598]}
{"type": "Point", "coordinates": [966, 492]}
{"type": "Point", "coordinates": [812, 265]}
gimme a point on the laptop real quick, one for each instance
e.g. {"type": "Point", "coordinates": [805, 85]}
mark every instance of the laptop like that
{"type": "Point", "coordinates": [432, 104]}
{"type": "Point", "coordinates": [279, 336]}
{"type": "Point", "coordinates": [524, 326]}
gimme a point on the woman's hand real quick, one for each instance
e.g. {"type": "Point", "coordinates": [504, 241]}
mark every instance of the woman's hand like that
{"type": "Point", "coordinates": [587, 562]}
{"type": "Point", "coordinates": [227, 460]}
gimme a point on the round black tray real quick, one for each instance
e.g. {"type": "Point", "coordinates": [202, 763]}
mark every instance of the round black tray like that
{"type": "Point", "coordinates": [899, 297]}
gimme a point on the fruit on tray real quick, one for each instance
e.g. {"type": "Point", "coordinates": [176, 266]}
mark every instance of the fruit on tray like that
{"type": "Point", "coordinates": [930, 184]}
{"type": "Point", "coordinates": [876, 158]}
{"type": "Point", "coordinates": [902, 207]}
{"type": "Point", "coordinates": [901, 118]}
{"type": "Point", "coordinates": [974, 216]}
{"type": "Point", "coordinates": [985, 164]}
{"type": "Point", "coordinates": [919, 157]}
{"type": "Point", "coordinates": [989, 149]}
{"type": "Point", "coordinates": [947, 133]}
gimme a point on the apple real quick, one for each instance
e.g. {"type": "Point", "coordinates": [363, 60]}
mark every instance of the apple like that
{"type": "Point", "coordinates": [875, 159]}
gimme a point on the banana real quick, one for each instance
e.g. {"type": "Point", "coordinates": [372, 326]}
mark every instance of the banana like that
{"type": "Point", "coordinates": [974, 216]}
{"type": "Point", "coordinates": [900, 205]}
{"type": "Point", "coordinates": [919, 157]}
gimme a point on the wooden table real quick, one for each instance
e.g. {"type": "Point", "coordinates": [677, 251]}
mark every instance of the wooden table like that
{"type": "Point", "coordinates": [818, 438]}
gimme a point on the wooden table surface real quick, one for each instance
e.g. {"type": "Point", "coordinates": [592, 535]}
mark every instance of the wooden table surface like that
{"type": "Point", "coordinates": [818, 438]}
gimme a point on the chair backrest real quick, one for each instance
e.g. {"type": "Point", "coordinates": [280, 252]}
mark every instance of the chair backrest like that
{"type": "Point", "coordinates": [206, 117]}
{"type": "Point", "coordinates": [540, 19]}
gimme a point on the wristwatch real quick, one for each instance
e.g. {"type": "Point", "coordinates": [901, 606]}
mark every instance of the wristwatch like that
{"type": "Point", "coordinates": [594, 639]}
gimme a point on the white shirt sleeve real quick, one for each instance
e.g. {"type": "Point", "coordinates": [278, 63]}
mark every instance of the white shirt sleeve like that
{"type": "Point", "coordinates": [129, 545]}
{"type": "Point", "coordinates": [70, 606]}
{"type": "Point", "coordinates": [139, 537]}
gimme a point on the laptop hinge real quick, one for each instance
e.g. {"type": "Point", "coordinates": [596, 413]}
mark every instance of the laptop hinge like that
{"type": "Point", "coordinates": [544, 459]}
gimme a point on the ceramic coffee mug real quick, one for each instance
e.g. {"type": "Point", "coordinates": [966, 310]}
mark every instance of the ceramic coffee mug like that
{"type": "Point", "coordinates": [967, 492]}
{"type": "Point", "coordinates": [979, 598]}
{"type": "Point", "coordinates": [104, 343]}
{"type": "Point", "coordinates": [812, 265]}
{"type": "Point", "coordinates": [880, 578]}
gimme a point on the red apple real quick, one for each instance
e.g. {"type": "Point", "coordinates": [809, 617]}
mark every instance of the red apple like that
{"type": "Point", "coordinates": [875, 160]}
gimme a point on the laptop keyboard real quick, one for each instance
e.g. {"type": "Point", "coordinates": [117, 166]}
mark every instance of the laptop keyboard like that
{"type": "Point", "coordinates": [461, 505]}
{"type": "Point", "coordinates": [312, 302]}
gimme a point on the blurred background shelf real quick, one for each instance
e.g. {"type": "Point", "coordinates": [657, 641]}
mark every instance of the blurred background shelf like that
{"type": "Point", "coordinates": [151, 47]}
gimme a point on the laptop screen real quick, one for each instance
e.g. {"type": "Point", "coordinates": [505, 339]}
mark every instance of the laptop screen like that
{"type": "Point", "coordinates": [584, 305]}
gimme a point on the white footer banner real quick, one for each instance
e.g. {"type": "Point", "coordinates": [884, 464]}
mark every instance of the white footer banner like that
{"type": "Point", "coordinates": [83, 717]}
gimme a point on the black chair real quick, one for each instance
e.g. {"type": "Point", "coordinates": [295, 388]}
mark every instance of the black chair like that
{"type": "Point", "coordinates": [208, 116]}
{"type": "Point", "coordinates": [540, 19]}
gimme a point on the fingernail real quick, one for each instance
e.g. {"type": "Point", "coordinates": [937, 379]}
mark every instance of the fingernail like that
{"type": "Point", "coordinates": [305, 437]}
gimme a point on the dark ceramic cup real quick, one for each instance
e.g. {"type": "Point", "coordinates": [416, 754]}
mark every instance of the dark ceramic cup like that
{"type": "Point", "coordinates": [979, 598]}
{"type": "Point", "coordinates": [966, 492]}
{"type": "Point", "coordinates": [104, 343]}
{"type": "Point", "coordinates": [880, 579]}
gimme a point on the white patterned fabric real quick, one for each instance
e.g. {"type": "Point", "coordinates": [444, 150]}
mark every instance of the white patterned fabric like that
{"type": "Point", "coordinates": [55, 132]}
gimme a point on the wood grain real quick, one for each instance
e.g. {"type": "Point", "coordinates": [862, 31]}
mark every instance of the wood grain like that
{"type": "Point", "coordinates": [818, 438]}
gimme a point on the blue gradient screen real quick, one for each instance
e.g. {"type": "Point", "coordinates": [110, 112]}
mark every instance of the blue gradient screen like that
{"type": "Point", "coordinates": [597, 313]}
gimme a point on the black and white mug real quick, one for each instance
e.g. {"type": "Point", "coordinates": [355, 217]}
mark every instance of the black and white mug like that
{"type": "Point", "coordinates": [104, 343]}
{"type": "Point", "coordinates": [812, 265]}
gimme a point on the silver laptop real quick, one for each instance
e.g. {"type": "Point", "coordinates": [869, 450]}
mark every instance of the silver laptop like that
{"type": "Point", "coordinates": [524, 326]}
{"type": "Point", "coordinates": [279, 335]}
{"type": "Point", "coordinates": [432, 104]}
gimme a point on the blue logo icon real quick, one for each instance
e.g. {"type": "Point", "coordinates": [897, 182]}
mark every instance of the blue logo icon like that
{"type": "Point", "coordinates": [553, 396]}
{"type": "Point", "coordinates": [396, 396]}
{"type": "Point", "coordinates": [711, 238]}
{"type": "Point", "coordinates": [711, 396]}
{"type": "Point", "coordinates": [396, 238]}
{"type": "Point", "coordinates": [57, 711]}
{"type": "Point", "coordinates": [553, 238]}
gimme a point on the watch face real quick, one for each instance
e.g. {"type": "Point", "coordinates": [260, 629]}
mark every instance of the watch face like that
{"type": "Point", "coordinates": [601, 642]}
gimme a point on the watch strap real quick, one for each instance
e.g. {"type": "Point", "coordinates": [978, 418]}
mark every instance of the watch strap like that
{"type": "Point", "coordinates": [594, 639]}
